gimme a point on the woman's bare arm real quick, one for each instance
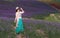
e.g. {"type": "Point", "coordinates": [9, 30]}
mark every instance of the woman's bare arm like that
{"type": "Point", "coordinates": [15, 20]}
{"type": "Point", "coordinates": [22, 10]}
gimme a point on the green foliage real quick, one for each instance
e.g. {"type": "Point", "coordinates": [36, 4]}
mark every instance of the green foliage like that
{"type": "Point", "coordinates": [56, 17]}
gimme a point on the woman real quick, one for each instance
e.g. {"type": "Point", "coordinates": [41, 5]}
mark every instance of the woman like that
{"type": "Point", "coordinates": [18, 20]}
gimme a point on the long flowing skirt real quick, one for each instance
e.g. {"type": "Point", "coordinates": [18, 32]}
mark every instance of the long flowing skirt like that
{"type": "Point", "coordinates": [20, 27]}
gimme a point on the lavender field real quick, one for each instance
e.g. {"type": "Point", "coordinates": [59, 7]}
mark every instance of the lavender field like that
{"type": "Point", "coordinates": [35, 27]}
{"type": "Point", "coordinates": [32, 8]}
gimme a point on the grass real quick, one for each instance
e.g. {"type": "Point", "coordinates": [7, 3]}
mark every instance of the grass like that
{"type": "Point", "coordinates": [6, 29]}
{"type": "Point", "coordinates": [48, 17]}
{"type": "Point", "coordinates": [32, 30]}
{"type": "Point", "coordinates": [42, 31]}
{"type": "Point", "coordinates": [53, 18]}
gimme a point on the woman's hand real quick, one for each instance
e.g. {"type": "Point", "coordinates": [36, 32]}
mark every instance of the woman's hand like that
{"type": "Point", "coordinates": [21, 8]}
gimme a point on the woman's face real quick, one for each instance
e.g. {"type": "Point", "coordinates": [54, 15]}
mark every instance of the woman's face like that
{"type": "Point", "coordinates": [18, 10]}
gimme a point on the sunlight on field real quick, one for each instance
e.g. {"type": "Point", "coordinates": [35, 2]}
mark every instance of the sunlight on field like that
{"type": "Point", "coordinates": [50, 17]}
{"type": "Point", "coordinates": [53, 17]}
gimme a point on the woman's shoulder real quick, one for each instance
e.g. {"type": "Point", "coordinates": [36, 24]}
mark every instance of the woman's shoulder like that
{"type": "Point", "coordinates": [16, 13]}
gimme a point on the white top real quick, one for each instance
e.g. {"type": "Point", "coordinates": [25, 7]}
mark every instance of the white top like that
{"type": "Point", "coordinates": [19, 15]}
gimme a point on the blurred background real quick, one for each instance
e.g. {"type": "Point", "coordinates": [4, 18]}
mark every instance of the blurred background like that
{"type": "Point", "coordinates": [41, 18]}
{"type": "Point", "coordinates": [31, 7]}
